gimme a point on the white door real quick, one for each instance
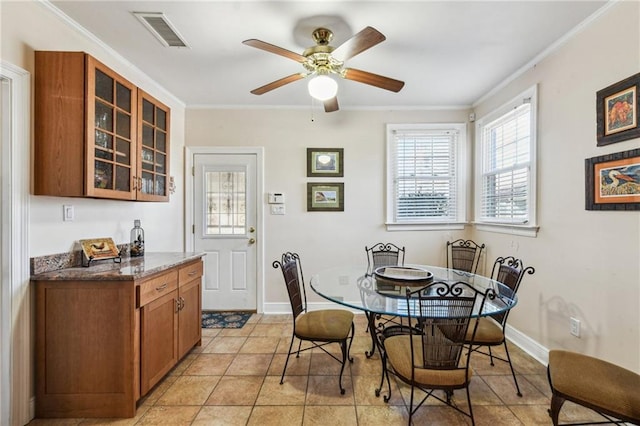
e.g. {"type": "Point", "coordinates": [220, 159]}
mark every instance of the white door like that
{"type": "Point", "coordinates": [225, 191]}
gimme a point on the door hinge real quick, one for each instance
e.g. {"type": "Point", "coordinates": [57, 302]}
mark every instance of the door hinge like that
{"type": "Point", "coordinates": [193, 229]}
{"type": "Point", "coordinates": [193, 171]}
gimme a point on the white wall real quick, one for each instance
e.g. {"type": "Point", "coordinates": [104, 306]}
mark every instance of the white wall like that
{"type": "Point", "coordinates": [577, 273]}
{"type": "Point", "coordinates": [587, 262]}
{"type": "Point", "coordinates": [30, 26]}
{"type": "Point", "coordinates": [322, 239]}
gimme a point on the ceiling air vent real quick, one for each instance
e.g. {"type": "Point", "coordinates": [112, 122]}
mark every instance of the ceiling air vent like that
{"type": "Point", "coordinates": [161, 28]}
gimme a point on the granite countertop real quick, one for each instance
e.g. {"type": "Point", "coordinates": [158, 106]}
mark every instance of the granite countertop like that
{"type": "Point", "coordinates": [129, 268]}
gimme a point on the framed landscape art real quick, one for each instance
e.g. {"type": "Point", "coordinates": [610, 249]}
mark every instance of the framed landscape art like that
{"type": "Point", "coordinates": [613, 181]}
{"type": "Point", "coordinates": [325, 197]}
{"type": "Point", "coordinates": [617, 112]}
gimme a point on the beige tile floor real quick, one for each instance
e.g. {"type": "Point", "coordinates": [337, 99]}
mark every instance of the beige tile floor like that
{"type": "Point", "coordinates": [234, 379]}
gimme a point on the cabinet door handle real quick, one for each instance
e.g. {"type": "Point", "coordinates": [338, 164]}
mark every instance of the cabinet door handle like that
{"type": "Point", "coordinates": [177, 301]}
{"type": "Point", "coordinates": [181, 303]}
{"type": "Point", "coordinates": [192, 273]}
{"type": "Point", "coordinates": [162, 287]}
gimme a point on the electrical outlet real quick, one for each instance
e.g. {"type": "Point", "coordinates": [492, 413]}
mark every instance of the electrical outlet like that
{"type": "Point", "coordinates": [574, 326]}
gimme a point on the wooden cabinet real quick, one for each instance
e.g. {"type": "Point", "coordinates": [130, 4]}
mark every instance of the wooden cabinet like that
{"type": "Point", "coordinates": [159, 328]}
{"type": "Point", "coordinates": [170, 312]}
{"type": "Point", "coordinates": [102, 344]}
{"type": "Point", "coordinates": [85, 347]}
{"type": "Point", "coordinates": [190, 307]}
{"type": "Point", "coordinates": [89, 131]}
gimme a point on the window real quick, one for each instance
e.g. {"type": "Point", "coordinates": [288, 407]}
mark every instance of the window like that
{"type": "Point", "coordinates": [505, 166]}
{"type": "Point", "coordinates": [425, 184]}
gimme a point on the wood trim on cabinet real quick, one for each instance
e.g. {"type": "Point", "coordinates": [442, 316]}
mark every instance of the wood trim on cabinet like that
{"type": "Point", "coordinates": [92, 64]}
{"type": "Point", "coordinates": [142, 96]}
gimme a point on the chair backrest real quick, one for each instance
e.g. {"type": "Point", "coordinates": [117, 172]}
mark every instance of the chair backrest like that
{"type": "Point", "coordinates": [464, 255]}
{"type": "Point", "coordinates": [294, 280]}
{"type": "Point", "coordinates": [383, 254]}
{"type": "Point", "coordinates": [442, 313]}
{"type": "Point", "coordinates": [509, 271]}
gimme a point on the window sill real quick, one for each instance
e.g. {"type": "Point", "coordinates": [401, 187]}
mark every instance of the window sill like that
{"type": "Point", "coordinates": [425, 226]}
{"type": "Point", "coordinates": [504, 228]}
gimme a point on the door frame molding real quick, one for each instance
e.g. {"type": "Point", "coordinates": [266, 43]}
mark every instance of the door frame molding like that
{"type": "Point", "coordinates": [189, 210]}
{"type": "Point", "coordinates": [16, 357]}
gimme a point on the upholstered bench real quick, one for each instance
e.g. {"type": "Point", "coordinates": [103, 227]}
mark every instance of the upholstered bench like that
{"type": "Point", "coordinates": [593, 383]}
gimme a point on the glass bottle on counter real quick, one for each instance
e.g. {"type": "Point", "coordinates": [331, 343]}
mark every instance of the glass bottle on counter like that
{"type": "Point", "coordinates": [136, 248]}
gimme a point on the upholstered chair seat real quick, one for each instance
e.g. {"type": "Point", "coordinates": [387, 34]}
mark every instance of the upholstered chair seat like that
{"type": "Point", "coordinates": [594, 383]}
{"type": "Point", "coordinates": [399, 356]}
{"type": "Point", "coordinates": [488, 332]}
{"type": "Point", "coordinates": [325, 325]}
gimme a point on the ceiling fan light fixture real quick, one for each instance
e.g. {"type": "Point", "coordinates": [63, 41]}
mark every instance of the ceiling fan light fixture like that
{"type": "Point", "coordinates": [322, 87]}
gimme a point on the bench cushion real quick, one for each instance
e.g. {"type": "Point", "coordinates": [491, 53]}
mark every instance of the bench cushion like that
{"type": "Point", "coordinates": [595, 382]}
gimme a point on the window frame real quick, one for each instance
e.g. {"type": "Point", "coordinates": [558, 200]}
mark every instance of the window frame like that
{"type": "Point", "coordinates": [529, 227]}
{"type": "Point", "coordinates": [462, 179]}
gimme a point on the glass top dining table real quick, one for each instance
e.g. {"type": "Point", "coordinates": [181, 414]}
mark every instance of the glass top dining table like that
{"type": "Point", "coordinates": [352, 287]}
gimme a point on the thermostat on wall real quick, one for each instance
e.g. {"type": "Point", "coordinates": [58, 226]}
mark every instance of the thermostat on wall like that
{"type": "Point", "coordinates": [276, 198]}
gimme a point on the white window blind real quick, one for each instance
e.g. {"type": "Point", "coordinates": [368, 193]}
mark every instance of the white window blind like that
{"type": "Point", "coordinates": [506, 167]}
{"type": "Point", "coordinates": [423, 167]}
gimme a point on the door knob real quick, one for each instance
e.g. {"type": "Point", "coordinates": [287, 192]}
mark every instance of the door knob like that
{"type": "Point", "coordinates": [252, 229]}
{"type": "Point", "coordinates": [252, 240]}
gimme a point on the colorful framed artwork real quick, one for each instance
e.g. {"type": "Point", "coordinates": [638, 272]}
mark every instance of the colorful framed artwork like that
{"type": "Point", "coordinates": [325, 197]}
{"type": "Point", "coordinates": [325, 162]}
{"type": "Point", "coordinates": [617, 111]}
{"type": "Point", "coordinates": [613, 181]}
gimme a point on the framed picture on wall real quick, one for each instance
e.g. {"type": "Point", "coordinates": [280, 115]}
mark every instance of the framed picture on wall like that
{"type": "Point", "coordinates": [325, 162]}
{"type": "Point", "coordinates": [613, 181]}
{"type": "Point", "coordinates": [617, 111]}
{"type": "Point", "coordinates": [325, 197]}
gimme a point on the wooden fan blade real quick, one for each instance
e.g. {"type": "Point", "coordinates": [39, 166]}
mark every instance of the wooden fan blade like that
{"type": "Point", "coordinates": [373, 79]}
{"type": "Point", "coordinates": [331, 105]}
{"type": "Point", "coordinates": [360, 42]}
{"type": "Point", "coordinates": [278, 83]}
{"type": "Point", "coordinates": [259, 44]}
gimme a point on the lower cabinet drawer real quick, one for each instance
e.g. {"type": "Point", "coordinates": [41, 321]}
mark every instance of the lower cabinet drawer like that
{"type": "Point", "coordinates": [150, 290]}
{"type": "Point", "coordinates": [190, 272]}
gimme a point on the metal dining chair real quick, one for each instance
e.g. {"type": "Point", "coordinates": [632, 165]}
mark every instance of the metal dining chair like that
{"type": "Point", "coordinates": [464, 255]}
{"type": "Point", "coordinates": [320, 327]}
{"type": "Point", "coordinates": [430, 356]}
{"type": "Point", "coordinates": [379, 255]}
{"type": "Point", "coordinates": [509, 271]}
{"type": "Point", "coordinates": [383, 254]}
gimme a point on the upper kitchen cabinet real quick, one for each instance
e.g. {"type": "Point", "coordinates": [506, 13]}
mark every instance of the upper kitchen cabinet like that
{"type": "Point", "coordinates": [90, 133]}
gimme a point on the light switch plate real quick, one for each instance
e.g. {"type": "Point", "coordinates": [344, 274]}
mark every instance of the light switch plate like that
{"type": "Point", "coordinates": [68, 213]}
{"type": "Point", "coordinates": [277, 209]}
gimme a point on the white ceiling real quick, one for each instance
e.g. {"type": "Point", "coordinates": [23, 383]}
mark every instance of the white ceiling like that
{"type": "Point", "coordinates": [449, 53]}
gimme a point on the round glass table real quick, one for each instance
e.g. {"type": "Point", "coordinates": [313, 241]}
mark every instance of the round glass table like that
{"type": "Point", "coordinates": [350, 286]}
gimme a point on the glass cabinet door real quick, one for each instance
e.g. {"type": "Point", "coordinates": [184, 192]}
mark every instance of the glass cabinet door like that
{"type": "Point", "coordinates": [153, 139]}
{"type": "Point", "coordinates": [111, 138]}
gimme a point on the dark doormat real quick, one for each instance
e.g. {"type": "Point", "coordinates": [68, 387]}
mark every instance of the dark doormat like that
{"type": "Point", "coordinates": [211, 319]}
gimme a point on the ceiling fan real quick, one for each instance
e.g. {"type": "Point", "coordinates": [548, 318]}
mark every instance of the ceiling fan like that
{"type": "Point", "coordinates": [322, 60]}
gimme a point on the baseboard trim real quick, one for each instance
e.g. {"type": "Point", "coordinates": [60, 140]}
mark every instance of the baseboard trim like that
{"type": "Point", "coordinates": [528, 345]}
